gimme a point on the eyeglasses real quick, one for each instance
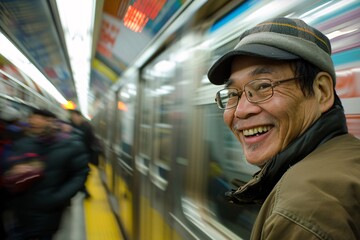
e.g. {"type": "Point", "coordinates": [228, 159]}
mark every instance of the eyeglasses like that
{"type": "Point", "coordinates": [256, 91]}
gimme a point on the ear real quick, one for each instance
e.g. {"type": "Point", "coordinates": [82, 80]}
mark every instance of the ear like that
{"type": "Point", "coordinates": [324, 91]}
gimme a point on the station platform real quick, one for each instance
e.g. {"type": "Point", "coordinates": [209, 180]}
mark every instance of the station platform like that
{"type": "Point", "coordinates": [90, 218]}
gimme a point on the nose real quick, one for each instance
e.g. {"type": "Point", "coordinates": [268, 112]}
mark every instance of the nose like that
{"type": "Point", "coordinates": [245, 109]}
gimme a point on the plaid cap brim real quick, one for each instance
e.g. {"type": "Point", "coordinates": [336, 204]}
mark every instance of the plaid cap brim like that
{"type": "Point", "coordinates": [220, 71]}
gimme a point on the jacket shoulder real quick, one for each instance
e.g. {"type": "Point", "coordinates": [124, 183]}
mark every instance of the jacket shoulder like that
{"type": "Point", "coordinates": [326, 180]}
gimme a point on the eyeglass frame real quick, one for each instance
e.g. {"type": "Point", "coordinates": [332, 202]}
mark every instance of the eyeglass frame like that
{"type": "Point", "coordinates": [240, 92]}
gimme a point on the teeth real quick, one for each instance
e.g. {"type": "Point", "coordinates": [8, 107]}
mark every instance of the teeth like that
{"type": "Point", "coordinates": [253, 131]}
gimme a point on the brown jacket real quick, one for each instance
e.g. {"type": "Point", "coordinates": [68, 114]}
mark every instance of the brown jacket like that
{"type": "Point", "coordinates": [317, 198]}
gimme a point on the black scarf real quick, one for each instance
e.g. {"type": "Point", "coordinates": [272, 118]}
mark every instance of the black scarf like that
{"type": "Point", "coordinates": [328, 126]}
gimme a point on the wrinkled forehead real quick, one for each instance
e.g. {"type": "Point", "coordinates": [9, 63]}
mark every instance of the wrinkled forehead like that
{"type": "Point", "coordinates": [258, 66]}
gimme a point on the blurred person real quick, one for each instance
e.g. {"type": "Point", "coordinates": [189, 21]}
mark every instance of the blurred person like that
{"type": "Point", "coordinates": [279, 100]}
{"type": "Point", "coordinates": [10, 131]}
{"type": "Point", "coordinates": [35, 213]}
{"type": "Point", "coordinates": [66, 129]}
{"type": "Point", "coordinates": [11, 128]}
{"type": "Point", "coordinates": [78, 121]}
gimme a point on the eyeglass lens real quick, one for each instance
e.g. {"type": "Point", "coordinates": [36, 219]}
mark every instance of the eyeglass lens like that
{"type": "Point", "coordinates": [255, 91]}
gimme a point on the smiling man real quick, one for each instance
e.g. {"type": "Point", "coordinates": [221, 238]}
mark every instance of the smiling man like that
{"type": "Point", "coordinates": [279, 100]}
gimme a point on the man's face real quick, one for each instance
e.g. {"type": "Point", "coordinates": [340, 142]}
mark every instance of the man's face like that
{"type": "Point", "coordinates": [280, 119]}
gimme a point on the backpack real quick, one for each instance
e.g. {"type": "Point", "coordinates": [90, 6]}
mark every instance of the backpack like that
{"type": "Point", "coordinates": [22, 172]}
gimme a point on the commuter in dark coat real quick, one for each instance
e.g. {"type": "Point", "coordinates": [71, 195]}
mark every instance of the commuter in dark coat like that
{"type": "Point", "coordinates": [36, 212]}
{"type": "Point", "coordinates": [87, 135]}
{"type": "Point", "coordinates": [10, 130]}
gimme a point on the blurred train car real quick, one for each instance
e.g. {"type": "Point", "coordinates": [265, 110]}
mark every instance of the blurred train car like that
{"type": "Point", "coordinates": [168, 157]}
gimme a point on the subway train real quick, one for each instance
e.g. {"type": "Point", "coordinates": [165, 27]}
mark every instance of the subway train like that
{"type": "Point", "coordinates": [168, 157]}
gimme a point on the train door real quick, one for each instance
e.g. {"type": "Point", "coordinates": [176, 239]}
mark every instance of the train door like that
{"type": "Point", "coordinates": [142, 160]}
{"type": "Point", "coordinates": [117, 150]}
{"type": "Point", "coordinates": [100, 132]}
{"type": "Point", "coordinates": [108, 142]}
{"type": "Point", "coordinates": [154, 158]}
{"type": "Point", "coordinates": [124, 148]}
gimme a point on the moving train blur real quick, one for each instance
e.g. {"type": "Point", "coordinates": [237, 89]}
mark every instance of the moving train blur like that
{"type": "Point", "coordinates": [168, 157]}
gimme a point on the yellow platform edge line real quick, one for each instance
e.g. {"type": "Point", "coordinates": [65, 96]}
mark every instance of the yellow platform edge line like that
{"type": "Point", "coordinates": [100, 222]}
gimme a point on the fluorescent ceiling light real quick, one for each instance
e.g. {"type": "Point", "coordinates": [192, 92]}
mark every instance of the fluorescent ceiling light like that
{"type": "Point", "coordinates": [9, 51]}
{"type": "Point", "coordinates": [77, 19]}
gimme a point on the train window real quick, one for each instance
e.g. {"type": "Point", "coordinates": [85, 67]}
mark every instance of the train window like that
{"type": "Point", "coordinates": [146, 124]}
{"type": "Point", "coordinates": [102, 124]}
{"type": "Point", "coordinates": [107, 121]}
{"type": "Point", "coordinates": [111, 118]}
{"type": "Point", "coordinates": [226, 162]}
{"type": "Point", "coordinates": [145, 139]}
{"type": "Point", "coordinates": [163, 126]}
{"type": "Point", "coordinates": [163, 146]}
{"type": "Point", "coordinates": [117, 124]}
{"type": "Point", "coordinates": [156, 129]}
{"type": "Point", "coordinates": [126, 121]}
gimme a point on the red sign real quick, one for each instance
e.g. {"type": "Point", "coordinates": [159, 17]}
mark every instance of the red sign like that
{"type": "Point", "coordinates": [109, 31]}
{"type": "Point", "coordinates": [135, 20]}
{"type": "Point", "coordinates": [150, 8]}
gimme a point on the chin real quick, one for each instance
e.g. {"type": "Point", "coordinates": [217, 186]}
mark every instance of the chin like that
{"type": "Point", "coordinates": [254, 162]}
{"type": "Point", "coordinates": [259, 162]}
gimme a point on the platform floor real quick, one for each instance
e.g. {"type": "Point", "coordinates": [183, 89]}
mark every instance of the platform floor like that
{"type": "Point", "coordinates": [92, 218]}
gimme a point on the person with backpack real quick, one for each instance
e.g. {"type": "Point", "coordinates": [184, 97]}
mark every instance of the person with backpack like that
{"type": "Point", "coordinates": [87, 136]}
{"type": "Point", "coordinates": [11, 130]}
{"type": "Point", "coordinates": [35, 208]}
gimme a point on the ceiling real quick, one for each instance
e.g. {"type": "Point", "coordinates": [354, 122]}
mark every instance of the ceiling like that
{"type": "Point", "coordinates": [122, 30]}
